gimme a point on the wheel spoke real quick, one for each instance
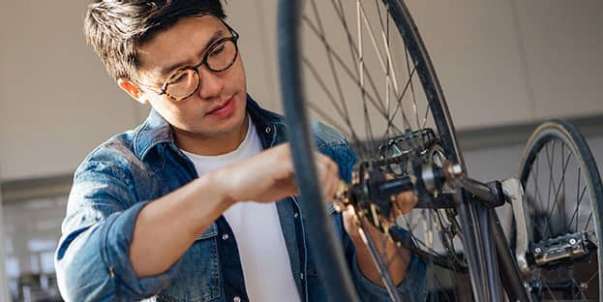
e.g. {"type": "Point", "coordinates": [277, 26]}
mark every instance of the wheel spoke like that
{"type": "Point", "coordinates": [376, 99]}
{"type": "Point", "coordinates": [590, 218]}
{"type": "Point", "coordinates": [327, 117]}
{"type": "Point", "coordinates": [561, 211]}
{"type": "Point", "coordinates": [386, 68]}
{"type": "Point", "coordinates": [360, 58]}
{"type": "Point", "coordinates": [399, 105]}
{"type": "Point", "coordinates": [557, 190]}
{"type": "Point", "coordinates": [578, 201]}
{"type": "Point", "coordinates": [334, 72]}
{"type": "Point", "coordinates": [367, 90]}
{"type": "Point", "coordinates": [551, 183]}
{"type": "Point", "coordinates": [577, 284]}
{"type": "Point", "coordinates": [412, 88]}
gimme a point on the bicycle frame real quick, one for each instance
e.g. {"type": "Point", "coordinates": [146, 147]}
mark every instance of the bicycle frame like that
{"type": "Point", "coordinates": [482, 199]}
{"type": "Point", "coordinates": [484, 242]}
{"type": "Point", "coordinates": [509, 273]}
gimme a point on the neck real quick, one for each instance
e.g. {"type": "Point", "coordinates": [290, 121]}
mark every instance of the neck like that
{"type": "Point", "coordinates": [210, 146]}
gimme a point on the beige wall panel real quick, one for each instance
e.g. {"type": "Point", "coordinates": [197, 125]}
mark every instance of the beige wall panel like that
{"type": "Point", "coordinates": [256, 22]}
{"type": "Point", "coordinates": [498, 61]}
{"type": "Point", "coordinates": [563, 43]}
{"type": "Point", "coordinates": [56, 101]}
{"type": "Point", "coordinates": [475, 51]}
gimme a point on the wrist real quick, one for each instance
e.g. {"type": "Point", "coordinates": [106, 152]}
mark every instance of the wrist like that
{"type": "Point", "coordinates": [214, 183]}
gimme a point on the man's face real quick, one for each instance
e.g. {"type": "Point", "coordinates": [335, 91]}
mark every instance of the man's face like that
{"type": "Point", "coordinates": [218, 106]}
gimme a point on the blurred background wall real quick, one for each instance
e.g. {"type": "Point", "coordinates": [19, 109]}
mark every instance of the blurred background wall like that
{"type": "Point", "coordinates": [504, 66]}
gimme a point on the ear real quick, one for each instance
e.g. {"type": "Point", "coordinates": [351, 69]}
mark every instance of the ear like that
{"type": "Point", "coordinates": [132, 89]}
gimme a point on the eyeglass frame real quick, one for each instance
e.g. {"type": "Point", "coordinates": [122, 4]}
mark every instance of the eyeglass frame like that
{"type": "Point", "coordinates": [234, 39]}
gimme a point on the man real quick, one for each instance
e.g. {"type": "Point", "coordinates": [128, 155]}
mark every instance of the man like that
{"type": "Point", "coordinates": [197, 204]}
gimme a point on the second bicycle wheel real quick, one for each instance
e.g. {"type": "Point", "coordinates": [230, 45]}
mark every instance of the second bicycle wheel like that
{"type": "Point", "coordinates": [361, 67]}
{"type": "Point", "coordinates": [563, 207]}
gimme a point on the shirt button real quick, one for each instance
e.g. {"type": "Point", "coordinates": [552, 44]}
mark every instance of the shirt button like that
{"type": "Point", "coordinates": [225, 237]}
{"type": "Point", "coordinates": [295, 215]}
{"type": "Point", "coordinates": [236, 299]}
{"type": "Point", "coordinates": [268, 129]}
{"type": "Point", "coordinates": [301, 276]}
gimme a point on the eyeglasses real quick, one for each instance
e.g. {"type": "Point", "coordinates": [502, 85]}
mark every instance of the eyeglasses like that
{"type": "Point", "coordinates": [184, 82]}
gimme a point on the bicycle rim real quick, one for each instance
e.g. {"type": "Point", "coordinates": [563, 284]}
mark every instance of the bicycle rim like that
{"type": "Point", "coordinates": [368, 75]}
{"type": "Point", "coordinates": [563, 200]}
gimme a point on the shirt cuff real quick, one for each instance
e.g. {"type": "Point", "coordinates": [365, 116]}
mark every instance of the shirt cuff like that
{"type": "Point", "coordinates": [118, 232]}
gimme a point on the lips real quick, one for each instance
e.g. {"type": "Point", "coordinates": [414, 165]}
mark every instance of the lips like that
{"type": "Point", "coordinates": [220, 107]}
{"type": "Point", "coordinates": [223, 111]}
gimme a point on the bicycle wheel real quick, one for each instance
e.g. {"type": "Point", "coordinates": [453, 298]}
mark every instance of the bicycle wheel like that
{"type": "Point", "coordinates": [363, 69]}
{"type": "Point", "coordinates": [563, 204]}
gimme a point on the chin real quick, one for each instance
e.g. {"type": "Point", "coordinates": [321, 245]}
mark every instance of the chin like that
{"type": "Point", "coordinates": [232, 124]}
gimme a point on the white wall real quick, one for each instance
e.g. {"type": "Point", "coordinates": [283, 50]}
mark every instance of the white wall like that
{"type": "Point", "coordinates": [502, 162]}
{"type": "Point", "coordinates": [510, 61]}
{"type": "Point", "coordinates": [56, 101]}
{"type": "Point", "coordinates": [499, 62]}
{"type": "Point", "coordinates": [562, 44]}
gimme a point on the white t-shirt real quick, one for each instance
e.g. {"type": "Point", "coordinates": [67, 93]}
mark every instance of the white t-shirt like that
{"type": "Point", "coordinates": [257, 229]}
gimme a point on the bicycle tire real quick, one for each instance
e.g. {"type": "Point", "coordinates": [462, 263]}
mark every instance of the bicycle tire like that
{"type": "Point", "coordinates": [324, 246]}
{"type": "Point", "coordinates": [554, 223]}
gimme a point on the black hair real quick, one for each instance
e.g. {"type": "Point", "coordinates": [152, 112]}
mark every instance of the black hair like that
{"type": "Point", "coordinates": [116, 28]}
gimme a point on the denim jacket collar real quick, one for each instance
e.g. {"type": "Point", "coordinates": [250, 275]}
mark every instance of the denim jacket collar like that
{"type": "Point", "coordinates": [156, 130]}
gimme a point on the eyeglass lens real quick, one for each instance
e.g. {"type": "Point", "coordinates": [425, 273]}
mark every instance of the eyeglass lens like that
{"type": "Point", "coordinates": [219, 58]}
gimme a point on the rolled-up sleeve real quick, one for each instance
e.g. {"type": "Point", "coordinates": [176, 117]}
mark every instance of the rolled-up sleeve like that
{"type": "Point", "coordinates": [412, 288]}
{"type": "Point", "coordinates": [92, 258]}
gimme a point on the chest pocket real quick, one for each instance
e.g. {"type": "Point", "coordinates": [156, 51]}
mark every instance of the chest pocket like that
{"type": "Point", "coordinates": [198, 279]}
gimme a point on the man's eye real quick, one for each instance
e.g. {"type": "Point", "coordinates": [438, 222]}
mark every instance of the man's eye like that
{"type": "Point", "coordinates": [179, 77]}
{"type": "Point", "coordinates": [218, 50]}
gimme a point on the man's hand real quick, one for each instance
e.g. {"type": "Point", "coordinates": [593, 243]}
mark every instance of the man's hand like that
{"type": "Point", "coordinates": [269, 176]}
{"type": "Point", "coordinates": [266, 177]}
{"type": "Point", "coordinates": [396, 258]}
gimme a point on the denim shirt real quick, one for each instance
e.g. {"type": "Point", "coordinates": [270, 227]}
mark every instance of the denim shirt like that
{"type": "Point", "coordinates": [131, 169]}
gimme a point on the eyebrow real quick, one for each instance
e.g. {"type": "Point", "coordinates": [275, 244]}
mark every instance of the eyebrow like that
{"type": "Point", "coordinates": [165, 71]}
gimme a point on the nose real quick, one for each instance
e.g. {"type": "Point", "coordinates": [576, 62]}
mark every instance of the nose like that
{"type": "Point", "coordinates": [211, 85]}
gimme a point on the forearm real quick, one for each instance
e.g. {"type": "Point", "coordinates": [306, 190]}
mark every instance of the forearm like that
{"type": "Point", "coordinates": [396, 258]}
{"type": "Point", "coordinates": [168, 226]}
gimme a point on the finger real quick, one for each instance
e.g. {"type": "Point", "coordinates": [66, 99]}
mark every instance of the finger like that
{"type": "Point", "coordinates": [330, 185]}
{"type": "Point", "coordinates": [322, 176]}
{"type": "Point", "coordinates": [326, 167]}
{"type": "Point", "coordinates": [328, 174]}
{"type": "Point", "coordinates": [350, 220]}
{"type": "Point", "coordinates": [406, 202]}
{"type": "Point", "coordinates": [334, 178]}
{"type": "Point", "coordinates": [321, 170]}
{"type": "Point", "coordinates": [334, 168]}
